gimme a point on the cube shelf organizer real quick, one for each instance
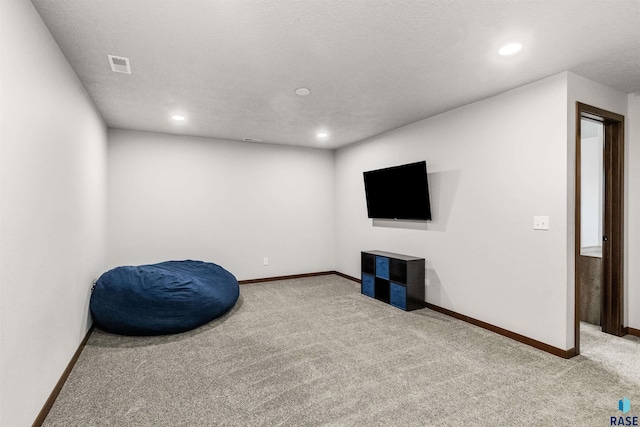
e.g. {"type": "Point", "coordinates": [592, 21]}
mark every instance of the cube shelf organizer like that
{"type": "Point", "coordinates": [394, 279]}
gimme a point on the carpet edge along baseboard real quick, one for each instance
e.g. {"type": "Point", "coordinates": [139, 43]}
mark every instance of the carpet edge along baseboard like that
{"type": "Point", "coordinates": [565, 354]}
{"type": "Point", "coordinates": [48, 404]}
{"type": "Point", "coordinates": [291, 276]}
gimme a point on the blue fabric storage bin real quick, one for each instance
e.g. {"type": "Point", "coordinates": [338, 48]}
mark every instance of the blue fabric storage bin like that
{"type": "Point", "coordinates": [398, 296]}
{"type": "Point", "coordinates": [382, 267]}
{"type": "Point", "coordinates": [368, 285]}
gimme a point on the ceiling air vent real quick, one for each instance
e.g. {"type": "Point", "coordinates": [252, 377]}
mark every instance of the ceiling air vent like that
{"type": "Point", "coordinates": [119, 64]}
{"type": "Point", "coordinates": [251, 140]}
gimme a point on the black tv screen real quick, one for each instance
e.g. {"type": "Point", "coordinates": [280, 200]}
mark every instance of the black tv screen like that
{"type": "Point", "coordinates": [399, 192]}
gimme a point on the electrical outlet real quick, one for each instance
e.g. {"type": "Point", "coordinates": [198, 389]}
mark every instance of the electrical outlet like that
{"type": "Point", "coordinates": [540, 222]}
{"type": "Point", "coordinates": [266, 261]}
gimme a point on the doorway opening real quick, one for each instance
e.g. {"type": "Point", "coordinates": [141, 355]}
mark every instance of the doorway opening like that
{"type": "Point", "coordinates": [599, 257]}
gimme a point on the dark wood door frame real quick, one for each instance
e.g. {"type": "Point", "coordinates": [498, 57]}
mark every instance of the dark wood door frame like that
{"type": "Point", "coordinates": [613, 233]}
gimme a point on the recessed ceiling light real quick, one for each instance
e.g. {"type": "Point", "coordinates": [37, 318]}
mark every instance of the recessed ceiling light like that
{"type": "Point", "coordinates": [510, 49]}
{"type": "Point", "coordinates": [302, 91]}
{"type": "Point", "coordinates": [322, 134]}
{"type": "Point", "coordinates": [178, 117]}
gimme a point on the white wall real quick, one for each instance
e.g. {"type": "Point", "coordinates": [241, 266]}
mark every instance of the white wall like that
{"type": "Point", "coordinates": [52, 216]}
{"type": "Point", "coordinates": [492, 166]}
{"type": "Point", "coordinates": [228, 202]}
{"type": "Point", "coordinates": [632, 297]}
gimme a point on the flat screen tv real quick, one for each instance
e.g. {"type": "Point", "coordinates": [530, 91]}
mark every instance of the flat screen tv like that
{"type": "Point", "coordinates": [399, 192]}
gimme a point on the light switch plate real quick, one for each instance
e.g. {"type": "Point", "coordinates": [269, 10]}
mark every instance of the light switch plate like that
{"type": "Point", "coordinates": [540, 222]}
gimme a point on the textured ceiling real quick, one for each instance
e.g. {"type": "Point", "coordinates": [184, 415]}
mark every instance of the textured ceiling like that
{"type": "Point", "coordinates": [231, 66]}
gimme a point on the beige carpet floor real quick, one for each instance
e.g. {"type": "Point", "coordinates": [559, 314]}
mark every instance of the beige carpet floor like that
{"type": "Point", "coordinates": [314, 351]}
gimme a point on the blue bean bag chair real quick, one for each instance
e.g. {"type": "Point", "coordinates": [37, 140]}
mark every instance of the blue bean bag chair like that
{"type": "Point", "coordinates": [164, 298]}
